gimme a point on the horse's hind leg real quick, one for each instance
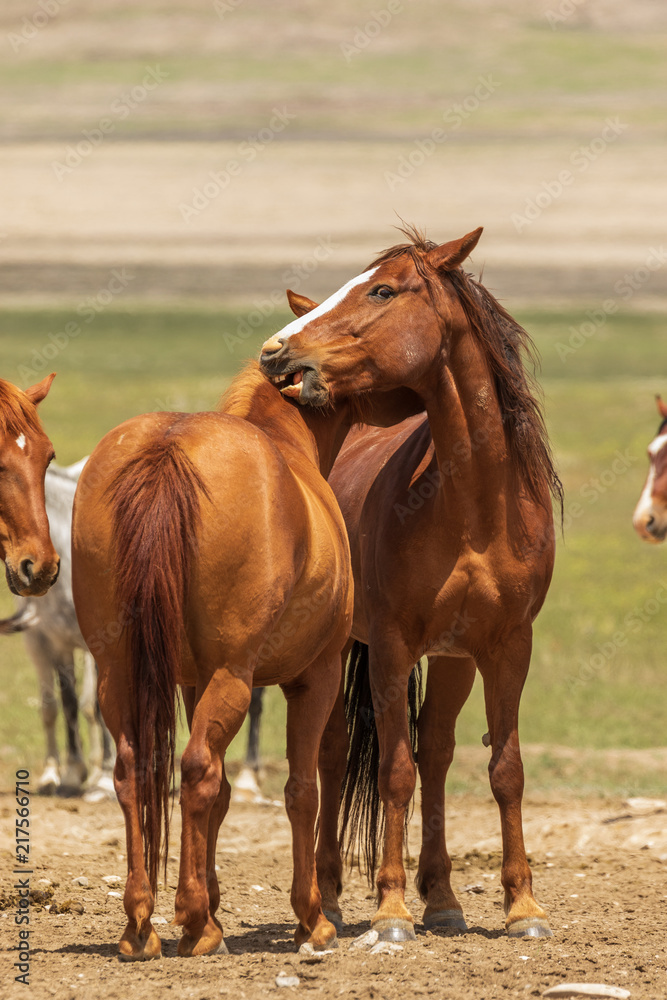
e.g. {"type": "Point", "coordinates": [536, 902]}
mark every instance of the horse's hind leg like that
{"type": "Point", "coordinates": [448, 685]}
{"type": "Point", "coordinates": [218, 715]}
{"type": "Point", "coordinates": [139, 940]}
{"type": "Point", "coordinates": [504, 677]}
{"type": "Point", "coordinates": [331, 767]}
{"type": "Point", "coordinates": [310, 699]}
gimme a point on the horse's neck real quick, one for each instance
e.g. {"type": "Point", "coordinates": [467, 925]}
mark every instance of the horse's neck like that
{"type": "Point", "coordinates": [467, 429]}
{"type": "Point", "coordinates": [295, 430]}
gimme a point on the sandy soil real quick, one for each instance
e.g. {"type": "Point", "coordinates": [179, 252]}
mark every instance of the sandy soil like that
{"type": "Point", "coordinates": [599, 869]}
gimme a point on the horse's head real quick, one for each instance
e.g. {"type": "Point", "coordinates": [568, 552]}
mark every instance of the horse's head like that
{"type": "Point", "coordinates": [380, 331]}
{"type": "Point", "coordinates": [31, 562]}
{"type": "Point", "coordinates": [650, 517]}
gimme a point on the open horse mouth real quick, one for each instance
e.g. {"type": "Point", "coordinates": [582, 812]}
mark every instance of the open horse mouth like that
{"type": "Point", "coordinates": [303, 384]}
{"type": "Point", "coordinates": [290, 384]}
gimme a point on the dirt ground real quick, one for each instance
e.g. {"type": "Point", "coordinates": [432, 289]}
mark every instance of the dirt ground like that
{"type": "Point", "coordinates": [599, 869]}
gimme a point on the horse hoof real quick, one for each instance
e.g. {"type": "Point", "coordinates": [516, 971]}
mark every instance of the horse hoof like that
{"type": "Point", "coordinates": [312, 950]}
{"type": "Point", "coordinates": [50, 780]}
{"type": "Point", "coordinates": [530, 927]}
{"type": "Point", "coordinates": [66, 791]}
{"type": "Point", "coordinates": [334, 917]}
{"type": "Point", "coordinates": [209, 942]}
{"type": "Point", "coordinates": [135, 949]}
{"type": "Point", "coordinates": [448, 919]}
{"type": "Point", "coordinates": [394, 930]}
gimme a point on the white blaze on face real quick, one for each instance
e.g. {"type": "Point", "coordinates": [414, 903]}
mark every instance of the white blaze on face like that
{"type": "Point", "coordinates": [297, 325]}
{"type": "Point", "coordinates": [21, 441]}
{"type": "Point", "coordinates": [644, 508]}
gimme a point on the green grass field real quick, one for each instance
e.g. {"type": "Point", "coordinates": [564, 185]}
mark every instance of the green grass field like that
{"type": "Point", "coordinates": [597, 676]}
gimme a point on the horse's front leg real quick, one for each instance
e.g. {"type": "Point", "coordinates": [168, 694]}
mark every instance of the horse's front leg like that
{"type": "Point", "coordinates": [219, 712]}
{"type": "Point", "coordinates": [310, 699]}
{"type": "Point", "coordinates": [390, 668]}
{"type": "Point", "coordinates": [76, 771]}
{"type": "Point", "coordinates": [448, 685]}
{"type": "Point", "coordinates": [504, 673]}
{"type": "Point", "coordinates": [49, 780]}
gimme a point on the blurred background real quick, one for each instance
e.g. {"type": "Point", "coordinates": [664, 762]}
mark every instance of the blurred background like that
{"type": "Point", "coordinates": [169, 167]}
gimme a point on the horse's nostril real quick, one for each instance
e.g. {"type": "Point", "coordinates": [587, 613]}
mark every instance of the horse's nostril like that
{"type": "Point", "coordinates": [650, 522]}
{"type": "Point", "coordinates": [25, 571]}
{"type": "Point", "coordinates": [272, 346]}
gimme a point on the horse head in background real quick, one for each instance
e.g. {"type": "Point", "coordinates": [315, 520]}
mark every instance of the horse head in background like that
{"type": "Point", "coordinates": [31, 562]}
{"type": "Point", "coordinates": [650, 517]}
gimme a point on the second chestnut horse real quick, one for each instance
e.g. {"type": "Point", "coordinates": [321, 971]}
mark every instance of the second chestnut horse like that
{"type": "Point", "coordinates": [450, 522]}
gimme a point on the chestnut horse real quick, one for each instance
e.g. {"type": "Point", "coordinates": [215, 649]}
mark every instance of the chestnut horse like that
{"type": "Point", "coordinates": [31, 562]}
{"type": "Point", "coordinates": [209, 551]}
{"type": "Point", "coordinates": [451, 530]}
{"type": "Point", "coordinates": [650, 517]}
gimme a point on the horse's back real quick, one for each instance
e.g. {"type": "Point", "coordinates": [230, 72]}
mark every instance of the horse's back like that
{"type": "Point", "coordinates": [255, 531]}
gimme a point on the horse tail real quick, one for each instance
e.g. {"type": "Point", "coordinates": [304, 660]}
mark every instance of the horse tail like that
{"type": "Point", "coordinates": [26, 617]}
{"type": "Point", "coordinates": [156, 511]}
{"type": "Point", "coordinates": [362, 821]}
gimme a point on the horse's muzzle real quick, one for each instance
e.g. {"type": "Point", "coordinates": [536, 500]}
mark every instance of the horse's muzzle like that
{"type": "Point", "coordinates": [29, 581]}
{"type": "Point", "coordinates": [295, 378]}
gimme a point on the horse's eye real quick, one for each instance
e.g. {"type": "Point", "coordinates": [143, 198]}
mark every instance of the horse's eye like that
{"type": "Point", "coordinates": [383, 292]}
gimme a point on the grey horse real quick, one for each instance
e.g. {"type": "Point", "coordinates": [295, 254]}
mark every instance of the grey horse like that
{"type": "Point", "coordinates": [51, 634]}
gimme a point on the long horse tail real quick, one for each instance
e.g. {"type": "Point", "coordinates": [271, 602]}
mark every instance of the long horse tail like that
{"type": "Point", "coordinates": [362, 819]}
{"type": "Point", "coordinates": [156, 511]}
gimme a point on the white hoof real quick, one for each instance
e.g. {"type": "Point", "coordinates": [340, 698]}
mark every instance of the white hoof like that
{"type": "Point", "coordinates": [246, 788]}
{"type": "Point", "coordinates": [49, 782]}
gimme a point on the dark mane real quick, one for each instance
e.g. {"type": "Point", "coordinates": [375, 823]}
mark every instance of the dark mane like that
{"type": "Point", "coordinates": [507, 347]}
{"type": "Point", "coordinates": [17, 413]}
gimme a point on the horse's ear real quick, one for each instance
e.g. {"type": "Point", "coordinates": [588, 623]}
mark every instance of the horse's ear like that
{"type": "Point", "coordinates": [662, 407]}
{"type": "Point", "coordinates": [299, 304]}
{"type": "Point", "coordinates": [36, 393]}
{"type": "Point", "coordinates": [449, 256]}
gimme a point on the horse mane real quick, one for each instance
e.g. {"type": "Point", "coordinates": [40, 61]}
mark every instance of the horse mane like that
{"type": "Point", "coordinates": [507, 347]}
{"type": "Point", "coordinates": [240, 398]}
{"type": "Point", "coordinates": [17, 413]}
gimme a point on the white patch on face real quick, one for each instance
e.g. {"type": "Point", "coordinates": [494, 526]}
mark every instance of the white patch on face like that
{"type": "Point", "coordinates": [644, 508]}
{"type": "Point", "coordinates": [657, 445]}
{"type": "Point", "coordinates": [297, 325]}
{"type": "Point", "coordinates": [21, 441]}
